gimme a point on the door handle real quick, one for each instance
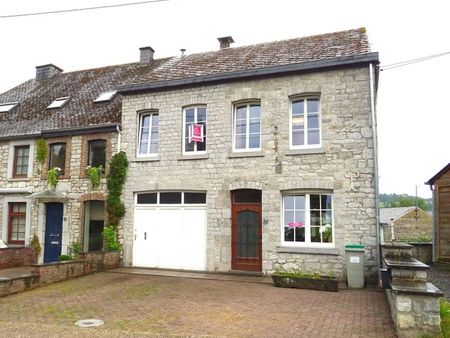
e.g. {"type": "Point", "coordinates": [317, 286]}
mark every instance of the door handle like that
{"type": "Point", "coordinates": [145, 236]}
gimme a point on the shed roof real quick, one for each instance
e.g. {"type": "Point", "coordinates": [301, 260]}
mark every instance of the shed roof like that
{"type": "Point", "coordinates": [438, 175]}
{"type": "Point", "coordinates": [31, 116]}
{"type": "Point", "coordinates": [388, 214]}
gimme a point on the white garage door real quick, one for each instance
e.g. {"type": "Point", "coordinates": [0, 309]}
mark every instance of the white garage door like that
{"type": "Point", "coordinates": [170, 230]}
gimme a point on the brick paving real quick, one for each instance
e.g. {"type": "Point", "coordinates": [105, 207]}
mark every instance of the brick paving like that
{"type": "Point", "coordinates": [143, 306]}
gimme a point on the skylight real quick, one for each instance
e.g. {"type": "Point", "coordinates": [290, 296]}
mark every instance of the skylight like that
{"type": "Point", "coordinates": [59, 102]}
{"type": "Point", "coordinates": [106, 96]}
{"type": "Point", "coordinates": [6, 107]}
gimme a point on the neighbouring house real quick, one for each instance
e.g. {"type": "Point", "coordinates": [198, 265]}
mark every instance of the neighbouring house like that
{"type": "Point", "coordinates": [409, 224]}
{"type": "Point", "coordinates": [440, 184]}
{"type": "Point", "coordinates": [256, 158]}
{"type": "Point", "coordinates": [76, 118]}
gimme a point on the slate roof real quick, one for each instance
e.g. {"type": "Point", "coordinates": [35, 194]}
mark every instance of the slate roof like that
{"type": "Point", "coordinates": [30, 117]}
{"type": "Point", "coordinates": [386, 214]}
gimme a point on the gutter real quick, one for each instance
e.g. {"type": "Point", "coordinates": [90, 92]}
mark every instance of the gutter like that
{"type": "Point", "coordinates": [375, 163]}
{"type": "Point", "coordinates": [80, 130]}
{"type": "Point", "coordinates": [249, 73]}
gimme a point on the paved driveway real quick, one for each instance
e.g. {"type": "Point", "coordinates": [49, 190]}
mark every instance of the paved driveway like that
{"type": "Point", "coordinates": [142, 306]}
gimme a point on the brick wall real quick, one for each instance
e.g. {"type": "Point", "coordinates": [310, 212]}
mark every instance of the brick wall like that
{"type": "Point", "coordinates": [15, 257]}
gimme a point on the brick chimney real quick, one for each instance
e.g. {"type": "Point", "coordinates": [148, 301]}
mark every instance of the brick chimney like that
{"type": "Point", "coordinates": [225, 42]}
{"type": "Point", "coordinates": [146, 55]}
{"type": "Point", "coordinates": [47, 71]}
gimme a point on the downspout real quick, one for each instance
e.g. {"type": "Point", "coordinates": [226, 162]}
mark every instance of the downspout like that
{"type": "Point", "coordinates": [375, 164]}
{"type": "Point", "coordinates": [119, 138]}
{"type": "Point", "coordinates": [434, 226]}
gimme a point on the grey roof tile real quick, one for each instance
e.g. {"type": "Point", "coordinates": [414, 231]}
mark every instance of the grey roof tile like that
{"type": "Point", "coordinates": [32, 115]}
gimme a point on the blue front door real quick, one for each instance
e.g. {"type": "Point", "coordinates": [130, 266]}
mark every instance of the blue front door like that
{"type": "Point", "coordinates": [53, 231]}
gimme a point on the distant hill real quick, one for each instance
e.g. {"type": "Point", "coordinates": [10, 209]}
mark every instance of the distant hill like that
{"type": "Point", "coordinates": [403, 200]}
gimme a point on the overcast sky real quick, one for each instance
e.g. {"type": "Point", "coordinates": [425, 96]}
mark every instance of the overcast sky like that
{"type": "Point", "coordinates": [413, 114]}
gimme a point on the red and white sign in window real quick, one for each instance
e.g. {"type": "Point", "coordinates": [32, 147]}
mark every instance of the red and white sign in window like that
{"type": "Point", "coordinates": [196, 133]}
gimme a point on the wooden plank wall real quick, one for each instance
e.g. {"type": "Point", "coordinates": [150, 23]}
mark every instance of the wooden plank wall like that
{"type": "Point", "coordinates": [442, 209]}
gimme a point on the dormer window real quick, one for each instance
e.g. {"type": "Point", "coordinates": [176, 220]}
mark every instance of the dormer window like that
{"type": "Point", "coordinates": [6, 107]}
{"type": "Point", "coordinates": [59, 102]}
{"type": "Point", "coordinates": [106, 96]}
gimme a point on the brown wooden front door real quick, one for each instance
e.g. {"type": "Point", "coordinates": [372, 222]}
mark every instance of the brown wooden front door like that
{"type": "Point", "coordinates": [246, 236]}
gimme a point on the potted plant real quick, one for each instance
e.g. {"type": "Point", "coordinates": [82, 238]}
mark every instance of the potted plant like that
{"type": "Point", "coordinates": [303, 280]}
{"type": "Point", "coordinates": [94, 174]}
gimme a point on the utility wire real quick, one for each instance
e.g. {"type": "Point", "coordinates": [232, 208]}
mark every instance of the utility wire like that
{"type": "Point", "coordinates": [79, 9]}
{"type": "Point", "coordinates": [409, 62]}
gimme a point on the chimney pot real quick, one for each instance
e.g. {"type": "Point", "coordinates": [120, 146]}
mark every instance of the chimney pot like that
{"type": "Point", "coordinates": [45, 72]}
{"type": "Point", "coordinates": [225, 41]}
{"type": "Point", "coordinates": [146, 55]}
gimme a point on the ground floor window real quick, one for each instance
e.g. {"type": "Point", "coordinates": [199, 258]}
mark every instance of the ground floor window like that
{"type": "Point", "coordinates": [307, 219]}
{"type": "Point", "coordinates": [17, 222]}
{"type": "Point", "coordinates": [94, 221]}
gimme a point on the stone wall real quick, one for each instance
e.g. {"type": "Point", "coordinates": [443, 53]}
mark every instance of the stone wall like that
{"type": "Point", "coordinates": [347, 148]}
{"type": "Point", "coordinates": [16, 257]}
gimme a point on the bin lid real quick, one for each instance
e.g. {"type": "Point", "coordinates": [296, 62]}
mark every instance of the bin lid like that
{"type": "Point", "coordinates": [354, 246]}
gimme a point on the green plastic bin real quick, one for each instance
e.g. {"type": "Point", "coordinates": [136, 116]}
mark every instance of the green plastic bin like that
{"type": "Point", "coordinates": [355, 265]}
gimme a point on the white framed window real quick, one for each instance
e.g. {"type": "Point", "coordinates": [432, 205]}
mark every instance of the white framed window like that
{"type": "Point", "coordinates": [20, 159]}
{"type": "Point", "coordinates": [148, 134]}
{"type": "Point", "coordinates": [247, 127]}
{"type": "Point", "coordinates": [304, 123]}
{"type": "Point", "coordinates": [194, 116]}
{"type": "Point", "coordinates": [307, 220]}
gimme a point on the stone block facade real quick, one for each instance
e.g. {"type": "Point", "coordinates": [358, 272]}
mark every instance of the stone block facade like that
{"type": "Point", "coordinates": [73, 184]}
{"type": "Point", "coordinates": [344, 166]}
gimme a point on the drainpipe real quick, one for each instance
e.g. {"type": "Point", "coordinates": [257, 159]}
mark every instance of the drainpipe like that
{"type": "Point", "coordinates": [119, 138]}
{"type": "Point", "coordinates": [434, 225]}
{"type": "Point", "coordinates": [375, 163]}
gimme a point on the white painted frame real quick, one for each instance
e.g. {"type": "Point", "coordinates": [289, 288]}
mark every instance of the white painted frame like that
{"type": "Point", "coordinates": [247, 132]}
{"type": "Point", "coordinates": [195, 151]}
{"type": "Point", "coordinates": [139, 125]}
{"type": "Point", "coordinates": [15, 199]}
{"type": "Point", "coordinates": [307, 243]}
{"type": "Point", "coordinates": [11, 154]}
{"type": "Point", "coordinates": [305, 134]}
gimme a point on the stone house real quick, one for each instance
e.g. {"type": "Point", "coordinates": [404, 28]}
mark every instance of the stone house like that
{"type": "Point", "coordinates": [409, 224]}
{"type": "Point", "coordinates": [440, 185]}
{"type": "Point", "coordinates": [256, 158]}
{"type": "Point", "coordinates": [77, 114]}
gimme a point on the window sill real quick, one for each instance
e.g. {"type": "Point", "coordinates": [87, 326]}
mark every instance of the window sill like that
{"type": "Point", "coordinates": [314, 251]}
{"type": "Point", "coordinates": [246, 154]}
{"type": "Point", "coordinates": [193, 157]}
{"type": "Point", "coordinates": [19, 179]}
{"type": "Point", "coordinates": [145, 159]}
{"type": "Point", "coordinates": [306, 151]}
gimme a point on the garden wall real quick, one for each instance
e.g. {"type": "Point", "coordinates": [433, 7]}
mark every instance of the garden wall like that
{"type": "Point", "coordinates": [16, 257]}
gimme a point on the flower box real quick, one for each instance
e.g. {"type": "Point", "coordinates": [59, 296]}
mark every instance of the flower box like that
{"type": "Point", "coordinates": [305, 281]}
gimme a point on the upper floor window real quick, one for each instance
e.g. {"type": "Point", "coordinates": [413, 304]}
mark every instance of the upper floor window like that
{"type": "Point", "coordinates": [304, 123]}
{"type": "Point", "coordinates": [194, 132]}
{"type": "Point", "coordinates": [307, 219]}
{"type": "Point", "coordinates": [57, 157]}
{"type": "Point", "coordinates": [247, 127]}
{"type": "Point", "coordinates": [97, 153]}
{"type": "Point", "coordinates": [148, 134]}
{"type": "Point", "coordinates": [21, 161]}
{"type": "Point", "coordinates": [17, 222]}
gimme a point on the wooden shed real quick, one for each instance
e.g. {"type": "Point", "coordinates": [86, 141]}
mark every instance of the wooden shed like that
{"type": "Point", "coordinates": [440, 184]}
